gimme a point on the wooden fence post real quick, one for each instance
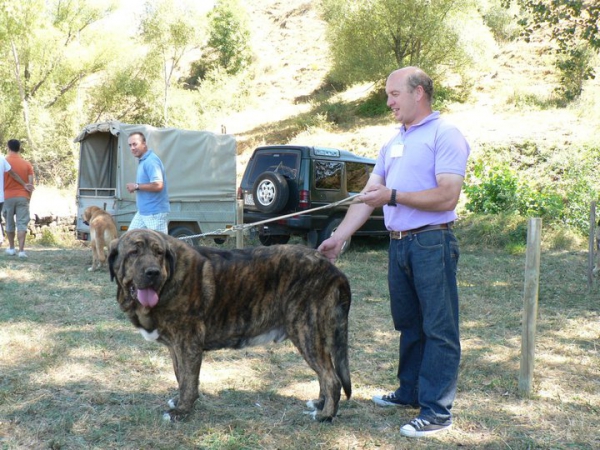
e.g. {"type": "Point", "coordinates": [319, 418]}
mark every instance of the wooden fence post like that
{"type": "Point", "coordinates": [530, 303]}
{"type": "Point", "coordinates": [592, 244]}
{"type": "Point", "coordinates": [239, 234]}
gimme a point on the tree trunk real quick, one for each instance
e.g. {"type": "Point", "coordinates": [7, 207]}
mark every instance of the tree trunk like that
{"type": "Point", "coordinates": [24, 102]}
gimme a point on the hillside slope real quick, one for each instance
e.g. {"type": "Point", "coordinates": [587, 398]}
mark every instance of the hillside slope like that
{"type": "Point", "coordinates": [292, 59]}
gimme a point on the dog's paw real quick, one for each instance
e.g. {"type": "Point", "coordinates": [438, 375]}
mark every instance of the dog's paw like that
{"type": "Point", "coordinates": [312, 414]}
{"type": "Point", "coordinates": [91, 269]}
{"type": "Point", "coordinates": [325, 419]}
{"type": "Point", "coordinates": [172, 403]}
{"type": "Point", "coordinates": [174, 415]}
{"type": "Point", "coordinates": [316, 415]}
{"type": "Point", "coordinates": [316, 405]}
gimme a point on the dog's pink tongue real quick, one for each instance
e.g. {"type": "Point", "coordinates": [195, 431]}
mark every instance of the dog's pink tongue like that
{"type": "Point", "coordinates": [147, 297]}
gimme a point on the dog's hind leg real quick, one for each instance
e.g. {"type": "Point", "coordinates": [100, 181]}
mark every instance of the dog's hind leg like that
{"type": "Point", "coordinates": [314, 349]}
{"type": "Point", "coordinates": [326, 352]}
{"type": "Point", "coordinates": [100, 255]}
{"type": "Point", "coordinates": [329, 392]}
{"type": "Point", "coordinates": [94, 254]}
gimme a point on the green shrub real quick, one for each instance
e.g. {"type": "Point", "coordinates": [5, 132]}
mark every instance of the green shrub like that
{"type": "Point", "coordinates": [55, 237]}
{"type": "Point", "coordinates": [338, 113]}
{"type": "Point", "coordinates": [491, 190]}
{"type": "Point", "coordinates": [374, 105]}
{"type": "Point", "coordinates": [445, 95]}
{"type": "Point", "coordinates": [575, 66]}
{"type": "Point", "coordinates": [500, 21]}
{"type": "Point", "coordinates": [529, 181]}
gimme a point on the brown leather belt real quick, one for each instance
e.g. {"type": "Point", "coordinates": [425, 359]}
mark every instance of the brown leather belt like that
{"type": "Point", "coordinates": [403, 234]}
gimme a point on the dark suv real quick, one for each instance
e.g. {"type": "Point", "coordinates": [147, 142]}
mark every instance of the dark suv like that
{"type": "Point", "coordinates": [280, 180]}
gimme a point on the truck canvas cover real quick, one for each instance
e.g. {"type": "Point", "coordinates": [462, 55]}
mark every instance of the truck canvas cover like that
{"type": "Point", "coordinates": [200, 169]}
{"type": "Point", "coordinates": [192, 170]}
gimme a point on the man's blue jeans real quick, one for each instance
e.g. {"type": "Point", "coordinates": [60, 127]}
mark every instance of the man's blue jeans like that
{"type": "Point", "coordinates": [424, 304]}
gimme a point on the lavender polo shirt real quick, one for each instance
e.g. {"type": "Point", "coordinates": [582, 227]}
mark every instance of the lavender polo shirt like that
{"type": "Point", "coordinates": [410, 161]}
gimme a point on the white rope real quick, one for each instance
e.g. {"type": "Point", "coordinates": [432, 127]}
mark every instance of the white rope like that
{"type": "Point", "coordinates": [254, 224]}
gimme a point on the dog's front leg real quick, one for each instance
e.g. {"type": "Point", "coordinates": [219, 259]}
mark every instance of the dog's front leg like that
{"type": "Point", "coordinates": [187, 360]}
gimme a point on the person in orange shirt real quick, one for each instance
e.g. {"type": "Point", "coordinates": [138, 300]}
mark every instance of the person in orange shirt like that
{"type": "Point", "coordinates": [5, 168]}
{"type": "Point", "coordinates": [16, 199]}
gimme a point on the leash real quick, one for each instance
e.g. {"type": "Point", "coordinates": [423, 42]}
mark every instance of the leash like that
{"type": "Point", "coordinates": [262, 222]}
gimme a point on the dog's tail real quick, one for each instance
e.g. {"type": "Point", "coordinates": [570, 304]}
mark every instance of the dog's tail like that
{"type": "Point", "coordinates": [340, 357]}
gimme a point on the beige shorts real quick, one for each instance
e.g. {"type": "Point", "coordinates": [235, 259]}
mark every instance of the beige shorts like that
{"type": "Point", "coordinates": [16, 212]}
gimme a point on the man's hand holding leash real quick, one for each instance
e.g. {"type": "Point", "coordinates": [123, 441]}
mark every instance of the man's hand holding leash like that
{"type": "Point", "coordinates": [375, 195]}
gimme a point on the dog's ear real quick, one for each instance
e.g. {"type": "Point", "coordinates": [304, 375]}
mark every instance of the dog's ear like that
{"type": "Point", "coordinates": [112, 256]}
{"type": "Point", "coordinates": [172, 259]}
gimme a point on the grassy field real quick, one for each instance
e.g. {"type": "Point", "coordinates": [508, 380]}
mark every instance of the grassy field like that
{"type": "Point", "coordinates": [74, 374]}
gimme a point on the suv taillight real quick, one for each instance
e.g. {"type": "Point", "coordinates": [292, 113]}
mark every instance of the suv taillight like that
{"type": "Point", "coordinates": [304, 202]}
{"type": "Point", "coordinates": [240, 193]}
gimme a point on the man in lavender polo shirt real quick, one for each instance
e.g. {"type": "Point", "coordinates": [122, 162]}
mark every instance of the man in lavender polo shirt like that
{"type": "Point", "coordinates": [417, 179]}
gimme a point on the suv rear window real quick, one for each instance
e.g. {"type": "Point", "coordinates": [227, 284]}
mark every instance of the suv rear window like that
{"type": "Point", "coordinates": [328, 174]}
{"type": "Point", "coordinates": [357, 175]}
{"type": "Point", "coordinates": [285, 163]}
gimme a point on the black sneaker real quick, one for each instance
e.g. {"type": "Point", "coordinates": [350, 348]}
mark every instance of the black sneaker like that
{"type": "Point", "coordinates": [421, 428]}
{"type": "Point", "coordinates": [391, 400]}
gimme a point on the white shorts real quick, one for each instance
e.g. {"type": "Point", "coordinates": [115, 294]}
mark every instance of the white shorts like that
{"type": "Point", "coordinates": [156, 222]}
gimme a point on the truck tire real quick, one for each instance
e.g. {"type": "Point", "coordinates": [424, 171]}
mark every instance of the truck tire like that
{"type": "Point", "coordinates": [181, 231]}
{"type": "Point", "coordinates": [271, 192]}
{"type": "Point", "coordinates": [267, 239]}
{"type": "Point", "coordinates": [329, 230]}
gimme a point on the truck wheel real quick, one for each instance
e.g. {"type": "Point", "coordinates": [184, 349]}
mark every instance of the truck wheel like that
{"type": "Point", "coordinates": [271, 192]}
{"type": "Point", "coordinates": [266, 239]}
{"type": "Point", "coordinates": [181, 232]}
{"type": "Point", "coordinates": [329, 230]}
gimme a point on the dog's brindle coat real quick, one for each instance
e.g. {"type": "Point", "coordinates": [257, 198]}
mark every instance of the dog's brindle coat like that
{"type": "Point", "coordinates": [193, 300]}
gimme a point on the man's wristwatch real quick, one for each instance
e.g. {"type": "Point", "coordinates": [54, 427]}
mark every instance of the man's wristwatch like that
{"type": "Point", "coordinates": [392, 201]}
{"type": "Point", "coordinates": [137, 187]}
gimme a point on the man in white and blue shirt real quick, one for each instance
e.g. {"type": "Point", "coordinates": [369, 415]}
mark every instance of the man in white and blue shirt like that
{"type": "Point", "coordinates": [152, 196]}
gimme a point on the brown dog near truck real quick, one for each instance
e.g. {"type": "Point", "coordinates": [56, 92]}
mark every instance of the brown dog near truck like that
{"type": "Point", "coordinates": [102, 232]}
{"type": "Point", "coordinates": [200, 299]}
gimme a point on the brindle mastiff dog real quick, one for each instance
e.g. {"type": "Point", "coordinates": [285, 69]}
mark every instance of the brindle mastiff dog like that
{"type": "Point", "coordinates": [193, 300]}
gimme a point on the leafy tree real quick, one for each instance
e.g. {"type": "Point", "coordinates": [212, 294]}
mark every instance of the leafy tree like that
{"type": "Point", "coordinates": [228, 49]}
{"type": "Point", "coordinates": [370, 39]}
{"type": "Point", "coordinates": [229, 36]}
{"type": "Point", "coordinates": [171, 30]}
{"type": "Point", "coordinates": [124, 95]}
{"type": "Point", "coordinates": [47, 49]}
{"type": "Point", "coordinates": [574, 26]}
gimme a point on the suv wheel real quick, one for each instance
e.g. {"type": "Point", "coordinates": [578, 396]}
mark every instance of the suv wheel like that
{"type": "Point", "coordinates": [329, 230]}
{"type": "Point", "coordinates": [271, 192]}
{"type": "Point", "coordinates": [182, 232]}
{"type": "Point", "coordinates": [267, 239]}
